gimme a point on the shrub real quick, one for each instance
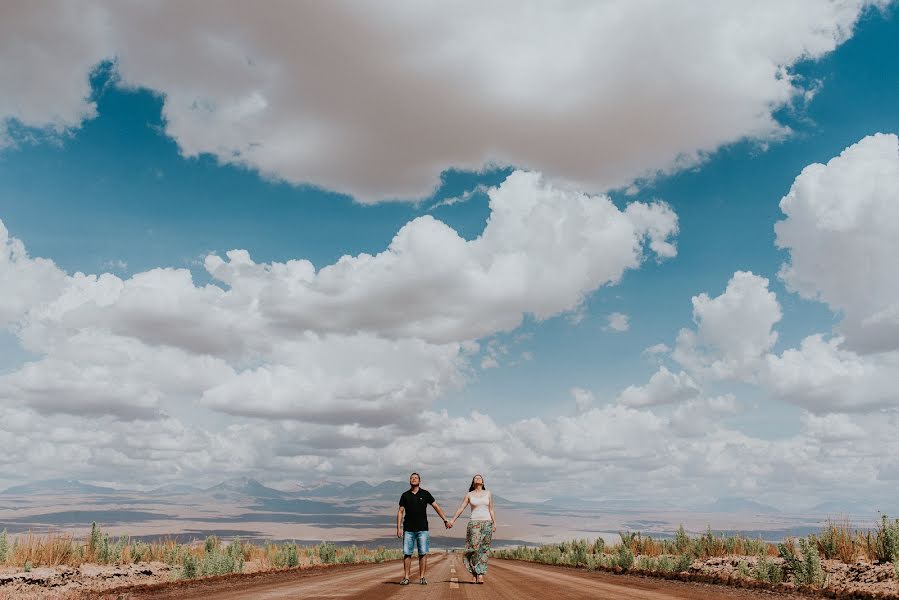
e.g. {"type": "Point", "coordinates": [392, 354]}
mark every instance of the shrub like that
{"type": "Point", "coordinates": [219, 563]}
{"type": "Point", "coordinates": [599, 546]}
{"type": "Point", "coordinates": [625, 558]}
{"type": "Point", "coordinates": [665, 564]}
{"type": "Point", "coordinates": [681, 540]}
{"type": "Point", "coordinates": [327, 553]}
{"type": "Point", "coordinates": [4, 547]}
{"type": "Point", "coordinates": [349, 556]}
{"type": "Point", "coordinates": [28, 566]}
{"type": "Point", "coordinates": [212, 544]}
{"type": "Point", "coordinates": [578, 553]}
{"type": "Point", "coordinates": [835, 541]}
{"type": "Point", "coordinates": [807, 569]}
{"type": "Point", "coordinates": [628, 538]}
{"type": "Point", "coordinates": [886, 541]}
{"type": "Point", "coordinates": [286, 556]}
{"type": "Point", "coordinates": [683, 562]}
{"type": "Point", "coordinates": [93, 542]}
{"type": "Point", "coordinates": [189, 567]}
{"type": "Point", "coordinates": [766, 570]}
{"type": "Point", "coordinates": [380, 555]}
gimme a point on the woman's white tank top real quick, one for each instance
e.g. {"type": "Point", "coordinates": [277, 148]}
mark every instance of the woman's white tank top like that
{"type": "Point", "coordinates": [479, 507]}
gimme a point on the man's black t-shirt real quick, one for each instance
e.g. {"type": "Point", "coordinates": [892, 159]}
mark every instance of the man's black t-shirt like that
{"type": "Point", "coordinates": [416, 506]}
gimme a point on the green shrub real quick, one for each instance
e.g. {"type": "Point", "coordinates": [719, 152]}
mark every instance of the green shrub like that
{"type": "Point", "coordinates": [93, 542]}
{"type": "Point", "coordinates": [624, 558]}
{"type": "Point", "coordinates": [349, 556]}
{"type": "Point", "coordinates": [4, 547]}
{"type": "Point", "coordinates": [380, 555]}
{"type": "Point", "coordinates": [743, 569]}
{"type": "Point", "coordinates": [286, 556]}
{"type": "Point", "coordinates": [28, 566]}
{"type": "Point", "coordinates": [578, 553]}
{"type": "Point", "coordinates": [212, 544]}
{"type": "Point", "coordinates": [766, 570]}
{"type": "Point", "coordinates": [683, 563]}
{"type": "Point", "coordinates": [219, 563]}
{"type": "Point", "coordinates": [599, 546]}
{"type": "Point", "coordinates": [327, 553]}
{"type": "Point", "coordinates": [807, 569]}
{"type": "Point", "coordinates": [681, 540]}
{"type": "Point", "coordinates": [666, 564]}
{"type": "Point", "coordinates": [628, 538]}
{"type": "Point", "coordinates": [237, 550]}
{"type": "Point", "coordinates": [189, 567]}
{"type": "Point", "coordinates": [886, 541]}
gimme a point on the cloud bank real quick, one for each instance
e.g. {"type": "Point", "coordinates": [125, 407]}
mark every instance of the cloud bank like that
{"type": "Point", "coordinates": [376, 101]}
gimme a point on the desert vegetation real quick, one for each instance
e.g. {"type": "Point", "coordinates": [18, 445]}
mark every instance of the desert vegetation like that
{"type": "Point", "coordinates": [198, 559]}
{"type": "Point", "coordinates": [794, 560]}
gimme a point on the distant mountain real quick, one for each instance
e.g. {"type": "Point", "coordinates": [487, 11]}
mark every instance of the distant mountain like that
{"type": "Point", "coordinates": [837, 508]}
{"type": "Point", "coordinates": [57, 486]}
{"type": "Point", "coordinates": [244, 486]}
{"type": "Point", "coordinates": [739, 505]}
{"type": "Point", "coordinates": [354, 491]}
{"type": "Point", "coordinates": [173, 489]}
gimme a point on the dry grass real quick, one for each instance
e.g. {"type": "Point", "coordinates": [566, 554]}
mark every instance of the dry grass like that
{"type": "Point", "coordinates": [49, 550]}
{"type": "Point", "coordinates": [211, 557]}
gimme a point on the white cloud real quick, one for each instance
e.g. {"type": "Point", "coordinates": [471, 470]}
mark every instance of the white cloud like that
{"type": "Point", "coordinates": [842, 232]}
{"type": "Point", "coordinates": [583, 399]}
{"type": "Point", "coordinates": [734, 330]}
{"type": "Point", "coordinates": [664, 387]}
{"type": "Point", "coordinates": [619, 322]}
{"type": "Point", "coordinates": [343, 379]}
{"type": "Point", "coordinates": [25, 281]}
{"type": "Point", "coordinates": [657, 349]}
{"type": "Point", "coordinates": [543, 250]}
{"type": "Point", "coordinates": [367, 343]}
{"type": "Point", "coordinates": [822, 376]}
{"type": "Point", "coordinates": [377, 100]}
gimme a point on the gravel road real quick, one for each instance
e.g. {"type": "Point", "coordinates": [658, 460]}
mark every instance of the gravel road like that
{"type": "Point", "coordinates": [506, 580]}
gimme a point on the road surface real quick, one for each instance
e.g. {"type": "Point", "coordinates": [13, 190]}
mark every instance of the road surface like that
{"type": "Point", "coordinates": [448, 580]}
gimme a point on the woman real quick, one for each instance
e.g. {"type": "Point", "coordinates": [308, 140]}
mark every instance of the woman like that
{"type": "Point", "coordinates": [481, 527]}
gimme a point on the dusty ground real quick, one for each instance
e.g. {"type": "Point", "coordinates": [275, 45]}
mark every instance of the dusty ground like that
{"type": "Point", "coordinates": [710, 579]}
{"type": "Point", "coordinates": [67, 582]}
{"type": "Point", "coordinates": [507, 580]}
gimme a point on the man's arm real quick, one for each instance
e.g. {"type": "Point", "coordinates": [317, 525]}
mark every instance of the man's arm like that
{"type": "Point", "coordinates": [440, 512]}
{"type": "Point", "coordinates": [399, 521]}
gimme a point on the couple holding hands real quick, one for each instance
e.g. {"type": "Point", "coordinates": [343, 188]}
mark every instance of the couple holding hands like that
{"type": "Point", "coordinates": [412, 526]}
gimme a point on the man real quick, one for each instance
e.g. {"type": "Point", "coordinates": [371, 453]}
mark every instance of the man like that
{"type": "Point", "coordinates": [414, 504]}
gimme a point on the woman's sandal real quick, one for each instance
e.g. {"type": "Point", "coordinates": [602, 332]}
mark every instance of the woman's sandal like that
{"type": "Point", "coordinates": [405, 581]}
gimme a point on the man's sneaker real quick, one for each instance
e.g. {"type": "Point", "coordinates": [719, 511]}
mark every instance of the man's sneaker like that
{"type": "Point", "coordinates": [424, 581]}
{"type": "Point", "coordinates": [405, 581]}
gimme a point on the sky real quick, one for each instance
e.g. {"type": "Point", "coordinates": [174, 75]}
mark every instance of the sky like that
{"type": "Point", "coordinates": [612, 250]}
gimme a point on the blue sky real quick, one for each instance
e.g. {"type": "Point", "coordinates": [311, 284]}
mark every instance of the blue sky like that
{"type": "Point", "coordinates": [138, 186]}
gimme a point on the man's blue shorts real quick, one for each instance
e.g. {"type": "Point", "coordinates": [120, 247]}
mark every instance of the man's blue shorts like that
{"type": "Point", "coordinates": [411, 539]}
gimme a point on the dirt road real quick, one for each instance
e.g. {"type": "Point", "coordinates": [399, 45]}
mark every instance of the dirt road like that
{"type": "Point", "coordinates": [506, 580]}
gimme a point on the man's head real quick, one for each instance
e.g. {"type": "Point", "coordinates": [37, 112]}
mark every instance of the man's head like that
{"type": "Point", "coordinates": [414, 480]}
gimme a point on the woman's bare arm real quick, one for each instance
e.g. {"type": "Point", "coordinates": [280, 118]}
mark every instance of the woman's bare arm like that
{"type": "Point", "coordinates": [461, 508]}
{"type": "Point", "coordinates": [492, 514]}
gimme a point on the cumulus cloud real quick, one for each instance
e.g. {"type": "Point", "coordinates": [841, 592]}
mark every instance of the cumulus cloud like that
{"type": "Point", "coordinates": [733, 331]}
{"type": "Point", "coordinates": [618, 322]}
{"type": "Point", "coordinates": [583, 399]}
{"type": "Point", "coordinates": [25, 281]}
{"type": "Point", "coordinates": [377, 100]}
{"type": "Point", "coordinates": [543, 250]}
{"type": "Point", "coordinates": [664, 387]}
{"type": "Point", "coordinates": [370, 341]}
{"type": "Point", "coordinates": [823, 376]}
{"type": "Point", "coordinates": [842, 233]}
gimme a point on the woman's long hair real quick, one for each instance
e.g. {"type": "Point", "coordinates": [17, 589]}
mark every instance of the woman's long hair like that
{"type": "Point", "coordinates": [483, 483]}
